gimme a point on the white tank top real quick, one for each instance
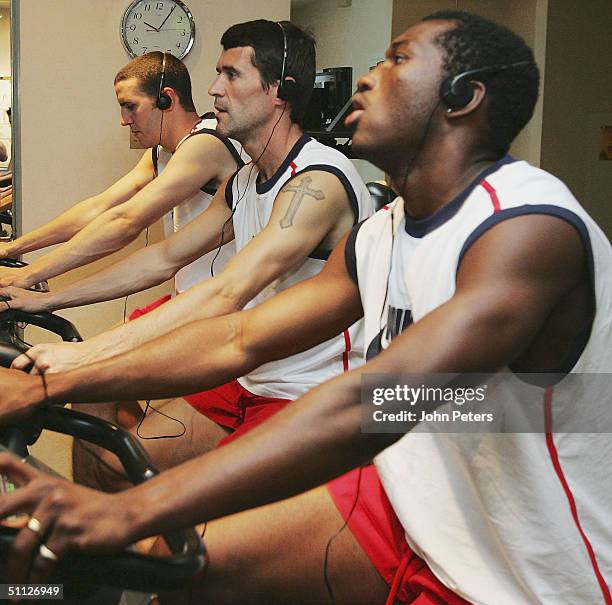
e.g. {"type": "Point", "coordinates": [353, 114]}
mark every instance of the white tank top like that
{"type": "Point", "coordinates": [493, 514]}
{"type": "Point", "coordinates": [189, 209]}
{"type": "Point", "coordinates": [289, 378]}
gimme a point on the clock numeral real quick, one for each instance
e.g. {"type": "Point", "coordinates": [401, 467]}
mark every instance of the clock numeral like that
{"type": "Point", "coordinates": [183, 33]}
{"type": "Point", "coordinates": [137, 16]}
{"type": "Point", "coordinates": [136, 41]}
{"type": "Point", "coordinates": [144, 50]}
{"type": "Point", "coordinates": [178, 45]}
{"type": "Point", "coordinates": [132, 27]}
{"type": "Point", "coordinates": [147, 7]}
{"type": "Point", "coordinates": [179, 20]}
{"type": "Point", "coordinates": [159, 5]}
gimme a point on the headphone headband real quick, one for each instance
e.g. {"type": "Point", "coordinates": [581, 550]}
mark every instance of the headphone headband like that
{"type": "Point", "coordinates": [491, 69]}
{"type": "Point", "coordinates": [163, 100]}
{"type": "Point", "coordinates": [282, 76]}
{"type": "Point", "coordinates": [286, 87]}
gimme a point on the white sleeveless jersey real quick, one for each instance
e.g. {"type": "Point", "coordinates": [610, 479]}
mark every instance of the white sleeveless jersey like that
{"type": "Point", "coordinates": [189, 209]}
{"type": "Point", "coordinates": [289, 378]}
{"type": "Point", "coordinates": [501, 519]}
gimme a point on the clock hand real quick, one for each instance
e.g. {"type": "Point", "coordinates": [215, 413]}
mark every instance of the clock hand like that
{"type": "Point", "coordinates": [166, 19]}
{"type": "Point", "coordinates": [155, 28]}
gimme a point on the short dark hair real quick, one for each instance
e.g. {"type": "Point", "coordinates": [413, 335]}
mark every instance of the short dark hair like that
{"type": "Point", "coordinates": [478, 42]}
{"type": "Point", "coordinates": [266, 39]}
{"type": "Point", "coordinates": [147, 70]}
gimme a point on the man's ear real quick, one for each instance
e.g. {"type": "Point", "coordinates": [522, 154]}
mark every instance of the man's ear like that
{"type": "Point", "coordinates": [171, 94]}
{"type": "Point", "coordinates": [479, 91]}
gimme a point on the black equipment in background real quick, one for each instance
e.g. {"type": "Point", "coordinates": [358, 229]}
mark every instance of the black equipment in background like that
{"type": "Point", "coordinates": [332, 89]}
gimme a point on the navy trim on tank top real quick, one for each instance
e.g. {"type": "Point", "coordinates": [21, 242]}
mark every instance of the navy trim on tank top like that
{"type": "Point", "coordinates": [295, 150]}
{"type": "Point", "coordinates": [421, 227]}
{"type": "Point", "coordinates": [350, 256]}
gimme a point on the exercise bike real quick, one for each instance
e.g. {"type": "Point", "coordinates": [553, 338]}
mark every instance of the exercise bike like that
{"type": "Point", "coordinates": [86, 578]}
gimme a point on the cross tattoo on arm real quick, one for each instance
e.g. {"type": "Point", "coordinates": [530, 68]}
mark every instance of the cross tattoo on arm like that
{"type": "Point", "coordinates": [299, 193]}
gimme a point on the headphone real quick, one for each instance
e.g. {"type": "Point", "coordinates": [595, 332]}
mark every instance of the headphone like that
{"type": "Point", "coordinates": [286, 88]}
{"type": "Point", "coordinates": [456, 92]}
{"type": "Point", "coordinates": [163, 100]}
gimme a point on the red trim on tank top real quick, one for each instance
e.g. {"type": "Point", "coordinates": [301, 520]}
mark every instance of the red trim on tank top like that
{"type": "Point", "coordinates": [554, 457]}
{"type": "Point", "coordinates": [347, 350]}
{"type": "Point", "coordinates": [492, 194]}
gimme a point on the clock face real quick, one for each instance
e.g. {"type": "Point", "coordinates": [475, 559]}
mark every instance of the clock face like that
{"type": "Point", "coordinates": [164, 25]}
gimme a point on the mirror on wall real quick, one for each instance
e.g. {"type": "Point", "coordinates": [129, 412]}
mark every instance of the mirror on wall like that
{"type": "Point", "coordinates": [6, 138]}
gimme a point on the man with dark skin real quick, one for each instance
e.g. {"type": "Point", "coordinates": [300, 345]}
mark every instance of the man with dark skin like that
{"type": "Point", "coordinates": [519, 296]}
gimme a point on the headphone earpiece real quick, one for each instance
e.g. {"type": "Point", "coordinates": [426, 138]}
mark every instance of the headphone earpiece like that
{"type": "Point", "coordinates": [287, 89]}
{"type": "Point", "coordinates": [163, 101]}
{"type": "Point", "coordinates": [457, 92]}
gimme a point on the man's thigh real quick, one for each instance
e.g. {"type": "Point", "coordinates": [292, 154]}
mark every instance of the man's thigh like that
{"type": "Point", "coordinates": [176, 432]}
{"type": "Point", "coordinates": [276, 554]}
{"type": "Point", "coordinates": [170, 435]}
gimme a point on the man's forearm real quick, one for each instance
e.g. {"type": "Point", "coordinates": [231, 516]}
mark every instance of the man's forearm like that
{"type": "Point", "coordinates": [199, 302]}
{"type": "Point", "coordinates": [139, 271]}
{"type": "Point", "coordinates": [199, 355]}
{"type": "Point", "coordinates": [98, 239]}
{"type": "Point", "coordinates": [57, 231]}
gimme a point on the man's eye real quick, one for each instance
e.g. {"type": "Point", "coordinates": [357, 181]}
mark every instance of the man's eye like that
{"type": "Point", "coordinates": [398, 58]}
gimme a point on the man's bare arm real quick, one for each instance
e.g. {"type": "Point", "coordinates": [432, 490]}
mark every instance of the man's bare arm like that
{"type": "Point", "coordinates": [78, 216]}
{"type": "Point", "coordinates": [199, 160]}
{"type": "Point", "coordinates": [277, 250]}
{"type": "Point", "coordinates": [143, 269]}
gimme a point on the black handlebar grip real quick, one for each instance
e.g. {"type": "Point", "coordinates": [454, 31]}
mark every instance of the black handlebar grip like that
{"type": "Point", "coordinates": [54, 323]}
{"type": "Point", "coordinates": [12, 262]}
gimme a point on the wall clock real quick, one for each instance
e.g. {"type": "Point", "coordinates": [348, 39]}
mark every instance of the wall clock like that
{"type": "Point", "coordinates": [164, 25]}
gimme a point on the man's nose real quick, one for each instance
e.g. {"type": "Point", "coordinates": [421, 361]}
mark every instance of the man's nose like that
{"type": "Point", "coordinates": [366, 82]}
{"type": "Point", "coordinates": [215, 89]}
{"type": "Point", "coordinates": [126, 119]}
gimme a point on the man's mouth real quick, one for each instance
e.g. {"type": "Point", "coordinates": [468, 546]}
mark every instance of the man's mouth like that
{"type": "Point", "coordinates": [354, 116]}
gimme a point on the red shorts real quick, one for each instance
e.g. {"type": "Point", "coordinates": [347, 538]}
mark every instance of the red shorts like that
{"type": "Point", "coordinates": [380, 534]}
{"type": "Point", "coordinates": [235, 408]}
{"type": "Point", "coordinates": [150, 307]}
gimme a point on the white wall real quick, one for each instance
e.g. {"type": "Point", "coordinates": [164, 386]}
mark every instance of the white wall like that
{"type": "Point", "coordinates": [353, 36]}
{"type": "Point", "coordinates": [72, 144]}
